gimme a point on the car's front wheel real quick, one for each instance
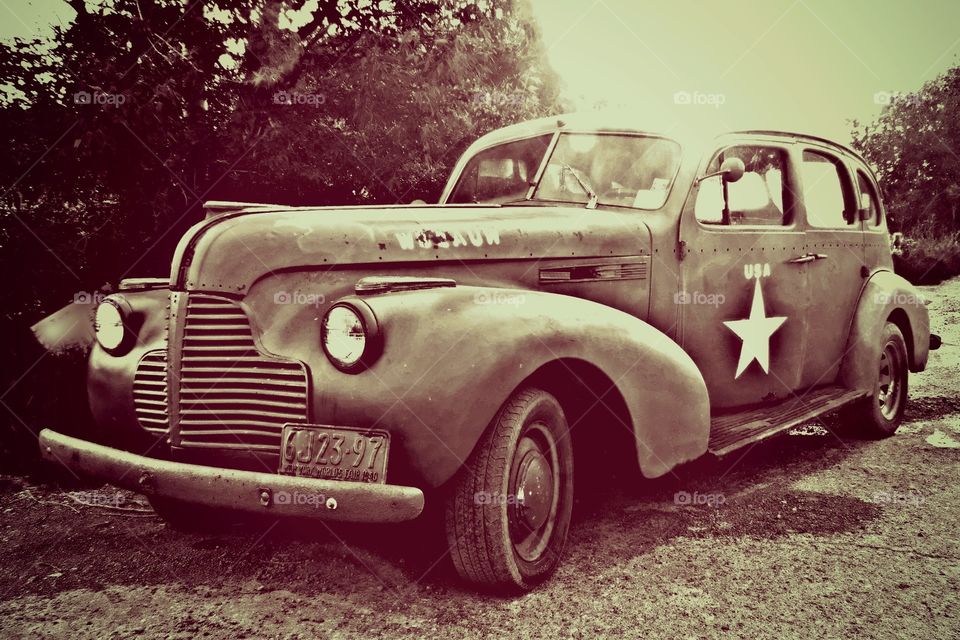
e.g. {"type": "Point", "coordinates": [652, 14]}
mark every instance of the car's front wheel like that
{"type": "Point", "coordinates": [880, 414]}
{"type": "Point", "coordinates": [509, 512]}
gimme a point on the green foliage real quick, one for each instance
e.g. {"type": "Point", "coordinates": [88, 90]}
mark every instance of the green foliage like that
{"type": "Point", "coordinates": [929, 260]}
{"type": "Point", "coordinates": [915, 148]}
{"type": "Point", "coordinates": [137, 111]}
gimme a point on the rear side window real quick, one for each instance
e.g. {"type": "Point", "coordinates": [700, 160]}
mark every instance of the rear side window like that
{"type": "Point", "coordinates": [868, 199]}
{"type": "Point", "coordinates": [755, 199]}
{"type": "Point", "coordinates": [824, 193]}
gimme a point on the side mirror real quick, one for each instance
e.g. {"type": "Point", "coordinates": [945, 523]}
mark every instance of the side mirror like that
{"type": "Point", "coordinates": [731, 170]}
{"type": "Point", "coordinates": [896, 242]}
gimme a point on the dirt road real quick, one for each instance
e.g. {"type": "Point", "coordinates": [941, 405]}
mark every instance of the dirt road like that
{"type": "Point", "coordinates": [806, 534]}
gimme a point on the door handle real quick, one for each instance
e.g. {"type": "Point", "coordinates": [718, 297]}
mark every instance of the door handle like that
{"type": "Point", "coordinates": [808, 257]}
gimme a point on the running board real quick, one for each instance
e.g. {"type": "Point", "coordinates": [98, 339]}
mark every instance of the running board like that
{"type": "Point", "coordinates": [732, 431]}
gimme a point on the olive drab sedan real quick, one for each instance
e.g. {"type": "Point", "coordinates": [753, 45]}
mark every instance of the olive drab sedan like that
{"type": "Point", "coordinates": [580, 281]}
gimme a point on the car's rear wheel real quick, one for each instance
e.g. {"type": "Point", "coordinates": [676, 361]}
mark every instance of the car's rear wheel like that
{"type": "Point", "coordinates": [509, 512]}
{"type": "Point", "coordinates": [880, 414]}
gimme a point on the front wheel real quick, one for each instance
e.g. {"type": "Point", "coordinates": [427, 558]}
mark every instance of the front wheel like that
{"type": "Point", "coordinates": [880, 414]}
{"type": "Point", "coordinates": [509, 512]}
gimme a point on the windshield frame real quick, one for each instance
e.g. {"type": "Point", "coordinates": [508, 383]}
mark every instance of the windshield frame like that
{"type": "Point", "coordinates": [595, 132]}
{"type": "Point", "coordinates": [460, 170]}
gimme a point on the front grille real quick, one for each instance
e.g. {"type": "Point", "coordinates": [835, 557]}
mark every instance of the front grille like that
{"type": "Point", "coordinates": [150, 392]}
{"type": "Point", "coordinates": [231, 396]}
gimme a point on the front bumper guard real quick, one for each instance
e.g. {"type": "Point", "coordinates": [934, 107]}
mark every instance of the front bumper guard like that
{"type": "Point", "coordinates": [247, 491]}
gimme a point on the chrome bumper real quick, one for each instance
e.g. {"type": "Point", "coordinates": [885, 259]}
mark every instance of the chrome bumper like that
{"type": "Point", "coordinates": [248, 491]}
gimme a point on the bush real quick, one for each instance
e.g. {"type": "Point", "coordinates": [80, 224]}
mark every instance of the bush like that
{"type": "Point", "coordinates": [929, 260]}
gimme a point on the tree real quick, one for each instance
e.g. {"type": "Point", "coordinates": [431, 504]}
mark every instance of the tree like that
{"type": "Point", "coordinates": [915, 147]}
{"type": "Point", "coordinates": [139, 110]}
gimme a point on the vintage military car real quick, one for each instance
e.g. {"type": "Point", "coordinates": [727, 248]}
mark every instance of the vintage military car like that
{"type": "Point", "coordinates": [579, 282]}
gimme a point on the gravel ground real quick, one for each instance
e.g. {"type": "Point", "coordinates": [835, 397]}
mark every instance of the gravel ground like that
{"type": "Point", "coordinates": [803, 535]}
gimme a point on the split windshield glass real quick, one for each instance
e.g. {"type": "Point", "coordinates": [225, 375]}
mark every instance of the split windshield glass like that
{"type": "Point", "coordinates": [621, 170]}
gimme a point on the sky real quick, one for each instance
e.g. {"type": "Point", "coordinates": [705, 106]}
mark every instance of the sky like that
{"type": "Point", "coordinates": [803, 65]}
{"type": "Point", "coordinates": [30, 18]}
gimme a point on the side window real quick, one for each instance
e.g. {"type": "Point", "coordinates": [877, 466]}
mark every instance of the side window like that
{"type": "Point", "coordinates": [868, 199]}
{"type": "Point", "coordinates": [755, 199]}
{"type": "Point", "coordinates": [824, 191]}
{"type": "Point", "coordinates": [502, 173]}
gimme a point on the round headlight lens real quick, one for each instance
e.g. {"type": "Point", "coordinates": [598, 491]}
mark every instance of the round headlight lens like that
{"type": "Point", "coordinates": [344, 336]}
{"type": "Point", "coordinates": [109, 325]}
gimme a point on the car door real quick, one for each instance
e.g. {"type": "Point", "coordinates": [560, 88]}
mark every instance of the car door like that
{"type": "Point", "coordinates": [743, 295]}
{"type": "Point", "coordinates": [835, 275]}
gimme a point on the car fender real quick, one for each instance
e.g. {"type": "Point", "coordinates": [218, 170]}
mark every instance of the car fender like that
{"type": "Point", "coordinates": [110, 377]}
{"type": "Point", "coordinates": [452, 356]}
{"type": "Point", "coordinates": [885, 296]}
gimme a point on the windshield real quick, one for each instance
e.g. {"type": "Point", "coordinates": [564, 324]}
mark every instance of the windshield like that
{"type": "Point", "coordinates": [584, 168]}
{"type": "Point", "coordinates": [621, 170]}
{"type": "Point", "coordinates": [502, 173]}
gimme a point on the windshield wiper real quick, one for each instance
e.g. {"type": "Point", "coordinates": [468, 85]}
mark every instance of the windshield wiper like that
{"type": "Point", "coordinates": [587, 188]}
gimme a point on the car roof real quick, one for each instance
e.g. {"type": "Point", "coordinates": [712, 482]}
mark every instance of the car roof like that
{"type": "Point", "coordinates": [803, 136]}
{"type": "Point", "coordinates": [702, 128]}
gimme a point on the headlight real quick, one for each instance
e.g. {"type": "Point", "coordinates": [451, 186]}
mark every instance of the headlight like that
{"type": "Point", "coordinates": [111, 324]}
{"type": "Point", "coordinates": [350, 336]}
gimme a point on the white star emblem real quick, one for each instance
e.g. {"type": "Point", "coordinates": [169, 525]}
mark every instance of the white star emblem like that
{"type": "Point", "coordinates": [755, 332]}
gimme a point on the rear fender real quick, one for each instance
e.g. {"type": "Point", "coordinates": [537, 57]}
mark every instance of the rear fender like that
{"type": "Point", "coordinates": [885, 297]}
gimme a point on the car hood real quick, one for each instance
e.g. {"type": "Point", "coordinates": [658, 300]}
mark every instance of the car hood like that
{"type": "Point", "coordinates": [231, 251]}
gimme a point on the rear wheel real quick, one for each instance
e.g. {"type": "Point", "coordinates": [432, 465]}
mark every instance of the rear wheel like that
{"type": "Point", "coordinates": [509, 512]}
{"type": "Point", "coordinates": [880, 414]}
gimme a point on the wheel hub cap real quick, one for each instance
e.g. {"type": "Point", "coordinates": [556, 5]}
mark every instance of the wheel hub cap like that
{"type": "Point", "coordinates": [534, 489]}
{"type": "Point", "coordinates": [888, 390]}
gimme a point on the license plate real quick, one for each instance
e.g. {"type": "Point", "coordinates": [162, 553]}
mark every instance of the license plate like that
{"type": "Point", "coordinates": [334, 453]}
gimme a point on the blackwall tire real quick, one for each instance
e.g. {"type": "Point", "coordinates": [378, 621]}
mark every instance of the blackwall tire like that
{"type": "Point", "coordinates": [879, 415]}
{"type": "Point", "coordinates": [508, 513]}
